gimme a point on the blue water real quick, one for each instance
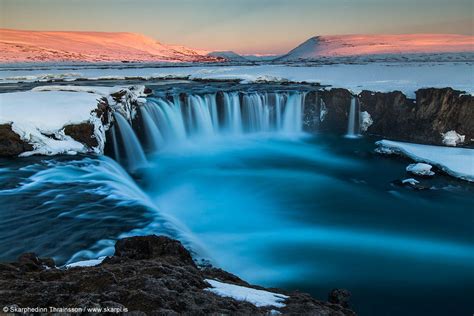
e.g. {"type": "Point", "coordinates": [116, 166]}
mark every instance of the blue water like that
{"type": "Point", "coordinates": [304, 212]}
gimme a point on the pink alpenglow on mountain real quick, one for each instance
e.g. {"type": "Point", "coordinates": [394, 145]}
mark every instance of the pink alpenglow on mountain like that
{"type": "Point", "coordinates": [356, 45]}
{"type": "Point", "coordinates": [43, 46]}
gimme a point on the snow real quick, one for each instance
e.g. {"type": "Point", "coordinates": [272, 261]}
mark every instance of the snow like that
{"type": "Point", "coordinates": [47, 111]}
{"type": "Point", "coordinates": [420, 169]}
{"type": "Point", "coordinates": [28, 46]}
{"type": "Point", "coordinates": [365, 121]}
{"type": "Point", "coordinates": [452, 138]}
{"type": "Point", "coordinates": [377, 44]}
{"type": "Point", "coordinates": [258, 298]}
{"type": "Point", "coordinates": [382, 77]}
{"type": "Point", "coordinates": [228, 55]}
{"type": "Point", "coordinates": [410, 181]}
{"type": "Point", "coordinates": [457, 162]}
{"type": "Point", "coordinates": [85, 263]}
{"type": "Point", "coordinates": [38, 116]}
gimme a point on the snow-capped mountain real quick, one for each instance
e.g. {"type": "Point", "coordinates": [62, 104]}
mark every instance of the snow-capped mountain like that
{"type": "Point", "coordinates": [364, 45]}
{"type": "Point", "coordinates": [40, 46]}
{"type": "Point", "coordinates": [228, 55]}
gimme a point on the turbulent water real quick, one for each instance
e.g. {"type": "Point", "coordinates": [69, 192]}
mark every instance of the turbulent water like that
{"type": "Point", "coordinates": [244, 188]}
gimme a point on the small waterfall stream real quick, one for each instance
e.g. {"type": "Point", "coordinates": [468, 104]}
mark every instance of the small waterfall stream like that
{"type": "Point", "coordinates": [353, 124]}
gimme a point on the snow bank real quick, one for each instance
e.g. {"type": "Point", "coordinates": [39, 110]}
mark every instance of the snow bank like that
{"type": "Point", "coordinates": [457, 162]}
{"type": "Point", "coordinates": [452, 138]}
{"type": "Point", "coordinates": [39, 116]}
{"type": "Point", "coordinates": [410, 181]}
{"type": "Point", "coordinates": [365, 121]}
{"type": "Point", "coordinates": [258, 298]}
{"type": "Point", "coordinates": [384, 77]}
{"type": "Point", "coordinates": [420, 169]}
{"type": "Point", "coordinates": [85, 263]}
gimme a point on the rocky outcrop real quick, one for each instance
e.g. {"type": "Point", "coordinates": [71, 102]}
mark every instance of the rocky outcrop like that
{"type": "Point", "coordinates": [10, 142]}
{"type": "Point", "coordinates": [327, 110]}
{"type": "Point", "coordinates": [424, 120]}
{"type": "Point", "coordinates": [83, 133]}
{"type": "Point", "coordinates": [147, 275]}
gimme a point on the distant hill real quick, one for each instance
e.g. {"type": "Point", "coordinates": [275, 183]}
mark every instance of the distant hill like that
{"type": "Point", "coordinates": [45, 46]}
{"type": "Point", "coordinates": [228, 55]}
{"type": "Point", "coordinates": [357, 45]}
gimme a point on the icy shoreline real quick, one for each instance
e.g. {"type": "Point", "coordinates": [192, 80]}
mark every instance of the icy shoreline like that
{"type": "Point", "coordinates": [457, 162]}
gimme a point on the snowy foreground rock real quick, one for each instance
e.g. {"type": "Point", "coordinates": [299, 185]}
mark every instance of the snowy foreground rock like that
{"type": "Point", "coordinates": [52, 120]}
{"type": "Point", "coordinates": [457, 162]}
{"type": "Point", "coordinates": [154, 275]}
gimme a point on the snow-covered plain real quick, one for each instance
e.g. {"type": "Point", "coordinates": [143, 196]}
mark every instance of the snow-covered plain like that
{"type": "Point", "coordinates": [258, 298]}
{"type": "Point", "coordinates": [383, 77]}
{"type": "Point", "coordinates": [458, 162]}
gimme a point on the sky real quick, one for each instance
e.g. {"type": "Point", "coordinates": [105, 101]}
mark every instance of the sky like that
{"type": "Point", "coordinates": [243, 26]}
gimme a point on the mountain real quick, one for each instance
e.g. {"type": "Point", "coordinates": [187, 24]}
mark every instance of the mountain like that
{"type": "Point", "coordinates": [358, 45]}
{"type": "Point", "coordinates": [49, 46]}
{"type": "Point", "coordinates": [228, 55]}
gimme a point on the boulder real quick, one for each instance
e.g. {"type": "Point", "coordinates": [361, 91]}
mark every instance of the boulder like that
{"type": "Point", "coordinates": [11, 143]}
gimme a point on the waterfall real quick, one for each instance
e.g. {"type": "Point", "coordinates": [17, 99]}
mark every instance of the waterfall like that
{"type": "Point", "coordinates": [292, 117]}
{"type": "Point", "coordinates": [171, 119]}
{"type": "Point", "coordinates": [135, 157]}
{"type": "Point", "coordinates": [353, 122]}
{"type": "Point", "coordinates": [153, 134]}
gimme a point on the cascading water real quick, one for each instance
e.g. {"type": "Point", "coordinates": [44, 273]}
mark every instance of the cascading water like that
{"type": "Point", "coordinates": [353, 124]}
{"type": "Point", "coordinates": [134, 154]}
{"type": "Point", "coordinates": [201, 115]}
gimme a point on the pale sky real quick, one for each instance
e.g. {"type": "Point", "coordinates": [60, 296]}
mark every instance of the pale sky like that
{"type": "Point", "coordinates": [244, 26]}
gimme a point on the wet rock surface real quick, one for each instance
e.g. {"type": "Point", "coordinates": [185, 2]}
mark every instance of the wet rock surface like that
{"type": "Point", "coordinates": [423, 120]}
{"type": "Point", "coordinates": [150, 275]}
{"type": "Point", "coordinates": [10, 142]}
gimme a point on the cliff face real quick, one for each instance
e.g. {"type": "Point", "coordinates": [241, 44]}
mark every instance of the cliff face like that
{"type": "Point", "coordinates": [423, 120]}
{"type": "Point", "coordinates": [147, 275]}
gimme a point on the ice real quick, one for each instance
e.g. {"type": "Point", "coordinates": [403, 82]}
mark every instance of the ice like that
{"type": "Point", "coordinates": [452, 138]}
{"type": "Point", "coordinates": [420, 169]}
{"type": "Point", "coordinates": [458, 162]}
{"type": "Point", "coordinates": [258, 298]}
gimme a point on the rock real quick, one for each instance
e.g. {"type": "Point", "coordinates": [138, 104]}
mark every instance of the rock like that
{"type": "Point", "coordinates": [83, 133]}
{"type": "Point", "coordinates": [424, 120]}
{"type": "Point", "coordinates": [11, 143]}
{"type": "Point", "coordinates": [337, 103]}
{"type": "Point", "coordinates": [30, 262]}
{"type": "Point", "coordinates": [147, 275]}
{"type": "Point", "coordinates": [150, 247]}
{"type": "Point", "coordinates": [340, 297]}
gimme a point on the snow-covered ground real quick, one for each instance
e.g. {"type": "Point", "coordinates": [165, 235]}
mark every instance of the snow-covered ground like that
{"type": "Point", "coordinates": [458, 162]}
{"type": "Point", "coordinates": [383, 77]}
{"type": "Point", "coordinates": [258, 298]}
{"type": "Point", "coordinates": [39, 116]}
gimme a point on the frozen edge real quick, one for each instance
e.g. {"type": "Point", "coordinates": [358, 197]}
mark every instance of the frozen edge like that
{"type": "Point", "coordinates": [259, 298]}
{"type": "Point", "coordinates": [402, 148]}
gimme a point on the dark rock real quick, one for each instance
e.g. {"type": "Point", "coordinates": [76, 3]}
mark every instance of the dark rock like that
{"type": "Point", "coordinates": [11, 143]}
{"type": "Point", "coordinates": [338, 103]}
{"type": "Point", "coordinates": [150, 247]}
{"type": "Point", "coordinates": [147, 91]}
{"type": "Point", "coordinates": [435, 111]}
{"type": "Point", "coordinates": [147, 275]}
{"type": "Point", "coordinates": [30, 262]}
{"type": "Point", "coordinates": [83, 133]}
{"type": "Point", "coordinates": [340, 297]}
